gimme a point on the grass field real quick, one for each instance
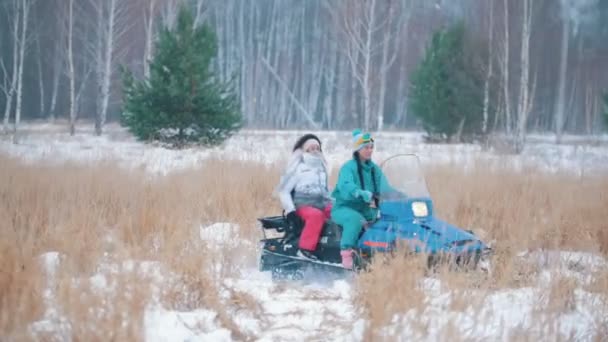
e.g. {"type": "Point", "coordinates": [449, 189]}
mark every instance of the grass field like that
{"type": "Point", "coordinates": [96, 251]}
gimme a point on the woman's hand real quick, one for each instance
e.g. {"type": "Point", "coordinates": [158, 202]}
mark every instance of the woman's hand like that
{"type": "Point", "coordinates": [294, 219]}
{"type": "Point", "coordinates": [365, 195]}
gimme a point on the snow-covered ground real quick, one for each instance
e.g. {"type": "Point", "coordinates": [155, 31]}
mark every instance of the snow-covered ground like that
{"type": "Point", "coordinates": [323, 309]}
{"type": "Point", "coordinates": [45, 142]}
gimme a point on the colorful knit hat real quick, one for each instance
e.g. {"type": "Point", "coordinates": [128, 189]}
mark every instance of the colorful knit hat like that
{"type": "Point", "coordinates": [361, 139]}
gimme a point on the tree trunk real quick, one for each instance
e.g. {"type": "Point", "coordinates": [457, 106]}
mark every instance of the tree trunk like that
{"type": "Point", "coordinates": [107, 66]}
{"type": "Point", "coordinates": [149, 15]}
{"type": "Point", "coordinates": [71, 73]}
{"type": "Point", "coordinates": [10, 92]}
{"type": "Point", "coordinates": [57, 69]}
{"type": "Point", "coordinates": [330, 88]}
{"type": "Point", "coordinates": [342, 92]}
{"type": "Point", "coordinates": [486, 88]}
{"type": "Point", "coordinates": [505, 71]}
{"type": "Point", "coordinates": [25, 14]}
{"type": "Point", "coordinates": [366, 75]}
{"type": "Point", "coordinates": [385, 64]}
{"type": "Point", "coordinates": [589, 109]}
{"type": "Point", "coordinates": [40, 77]}
{"type": "Point", "coordinates": [290, 94]}
{"type": "Point", "coordinates": [523, 105]}
{"type": "Point", "coordinates": [98, 57]}
{"type": "Point", "coordinates": [561, 85]}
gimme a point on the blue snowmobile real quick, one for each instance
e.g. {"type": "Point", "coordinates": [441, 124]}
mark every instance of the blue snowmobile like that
{"type": "Point", "coordinates": [406, 218]}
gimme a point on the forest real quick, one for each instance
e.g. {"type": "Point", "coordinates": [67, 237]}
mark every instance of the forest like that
{"type": "Point", "coordinates": [542, 65]}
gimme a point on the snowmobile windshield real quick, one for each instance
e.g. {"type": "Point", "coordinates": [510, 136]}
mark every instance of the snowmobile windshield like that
{"type": "Point", "coordinates": [405, 177]}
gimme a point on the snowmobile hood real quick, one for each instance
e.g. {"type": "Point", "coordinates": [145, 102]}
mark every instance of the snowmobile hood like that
{"type": "Point", "coordinates": [412, 221]}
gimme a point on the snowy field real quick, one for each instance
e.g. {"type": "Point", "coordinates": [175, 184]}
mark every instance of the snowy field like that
{"type": "Point", "coordinates": [577, 155]}
{"type": "Point", "coordinates": [323, 309]}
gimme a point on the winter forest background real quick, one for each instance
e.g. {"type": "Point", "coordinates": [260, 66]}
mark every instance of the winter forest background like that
{"type": "Point", "coordinates": [108, 238]}
{"type": "Point", "coordinates": [314, 64]}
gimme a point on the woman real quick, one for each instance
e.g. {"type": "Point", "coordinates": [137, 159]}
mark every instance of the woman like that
{"type": "Point", "coordinates": [359, 181]}
{"type": "Point", "coordinates": [304, 194]}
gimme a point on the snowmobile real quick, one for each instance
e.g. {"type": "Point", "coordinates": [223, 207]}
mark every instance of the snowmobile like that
{"type": "Point", "coordinates": [405, 218]}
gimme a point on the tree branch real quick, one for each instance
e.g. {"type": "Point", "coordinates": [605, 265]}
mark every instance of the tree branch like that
{"type": "Point", "coordinates": [291, 95]}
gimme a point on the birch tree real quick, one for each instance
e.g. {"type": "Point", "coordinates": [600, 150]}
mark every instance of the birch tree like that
{"type": "Point", "coordinates": [111, 26]}
{"type": "Point", "coordinates": [58, 69]}
{"type": "Point", "coordinates": [394, 17]}
{"type": "Point", "coordinates": [489, 72]}
{"type": "Point", "coordinates": [25, 10]}
{"type": "Point", "coordinates": [572, 12]}
{"type": "Point", "coordinates": [169, 12]}
{"type": "Point", "coordinates": [563, 66]}
{"type": "Point", "coordinates": [505, 69]}
{"type": "Point", "coordinates": [39, 65]}
{"type": "Point", "coordinates": [71, 74]}
{"type": "Point", "coordinates": [149, 14]}
{"type": "Point", "coordinates": [10, 82]}
{"type": "Point", "coordinates": [526, 92]}
{"type": "Point", "coordinates": [357, 22]}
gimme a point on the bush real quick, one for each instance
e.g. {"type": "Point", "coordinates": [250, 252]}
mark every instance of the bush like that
{"type": "Point", "coordinates": [182, 101]}
{"type": "Point", "coordinates": [447, 91]}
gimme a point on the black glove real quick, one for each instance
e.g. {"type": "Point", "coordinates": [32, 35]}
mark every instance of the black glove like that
{"type": "Point", "coordinates": [295, 220]}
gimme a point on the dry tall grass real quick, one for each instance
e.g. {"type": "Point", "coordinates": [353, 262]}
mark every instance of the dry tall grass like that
{"type": "Point", "coordinates": [100, 212]}
{"type": "Point", "coordinates": [520, 211]}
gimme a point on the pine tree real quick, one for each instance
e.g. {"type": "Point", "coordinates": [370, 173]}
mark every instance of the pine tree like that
{"type": "Point", "coordinates": [182, 101]}
{"type": "Point", "coordinates": [447, 93]}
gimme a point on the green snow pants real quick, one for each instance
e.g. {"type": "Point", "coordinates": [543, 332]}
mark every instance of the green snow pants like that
{"type": "Point", "coordinates": [352, 222]}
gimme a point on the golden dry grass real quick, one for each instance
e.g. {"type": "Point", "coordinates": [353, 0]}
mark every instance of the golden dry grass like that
{"type": "Point", "coordinates": [521, 211]}
{"type": "Point", "coordinates": [86, 213]}
{"type": "Point", "coordinates": [101, 212]}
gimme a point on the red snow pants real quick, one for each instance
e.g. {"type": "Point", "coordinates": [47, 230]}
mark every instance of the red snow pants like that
{"type": "Point", "coordinates": [314, 219]}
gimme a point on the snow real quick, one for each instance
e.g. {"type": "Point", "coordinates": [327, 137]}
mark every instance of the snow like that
{"type": "Point", "coordinates": [220, 234]}
{"type": "Point", "coordinates": [500, 315]}
{"type": "Point", "coordinates": [198, 325]}
{"type": "Point", "coordinates": [52, 322]}
{"type": "Point", "coordinates": [576, 155]}
{"type": "Point", "coordinates": [300, 311]}
{"type": "Point", "coordinates": [323, 309]}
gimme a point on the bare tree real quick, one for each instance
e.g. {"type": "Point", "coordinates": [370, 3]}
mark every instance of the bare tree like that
{"type": "Point", "coordinates": [368, 29]}
{"type": "Point", "coordinates": [505, 69]}
{"type": "Point", "coordinates": [26, 6]}
{"type": "Point", "coordinates": [571, 14]}
{"type": "Point", "coordinates": [200, 9]}
{"type": "Point", "coordinates": [290, 94]}
{"type": "Point", "coordinates": [358, 22]}
{"type": "Point", "coordinates": [526, 94]}
{"type": "Point", "coordinates": [71, 74]}
{"type": "Point", "coordinates": [395, 15]}
{"type": "Point", "coordinates": [40, 74]}
{"type": "Point", "coordinates": [111, 26]}
{"type": "Point", "coordinates": [79, 64]}
{"type": "Point", "coordinates": [57, 72]}
{"type": "Point", "coordinates": [149, 16]}
{"type": "Point", "coordinates": [9, 87]}
{"type": "Point", "coordinates": [169, 12]}
{"type": "Point", "coordinates": [563, 66]}
{"type": "Point", "coordinates": [334, 63]}
{"type": "Point", "coordinates": [486, 87]}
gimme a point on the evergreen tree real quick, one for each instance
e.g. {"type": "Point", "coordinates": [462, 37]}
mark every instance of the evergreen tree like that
{"type": "Point", "coordinates": [447, 91]}
{"type": "Point", "coordinates": [182, 101]}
